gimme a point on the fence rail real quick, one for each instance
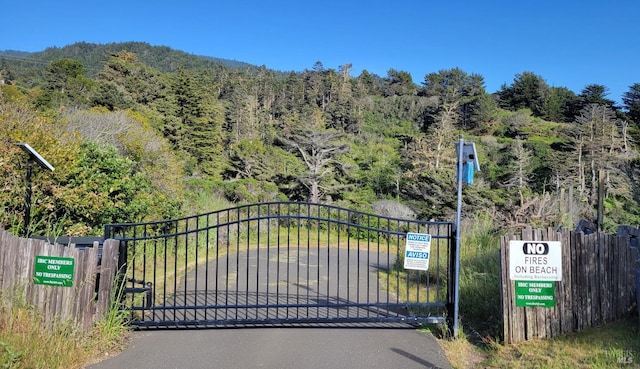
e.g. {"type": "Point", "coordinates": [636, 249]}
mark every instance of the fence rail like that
{"type": "Point", "coordinates": [85, 302]}
{"type": "Point", "coordinates": [598, 285]}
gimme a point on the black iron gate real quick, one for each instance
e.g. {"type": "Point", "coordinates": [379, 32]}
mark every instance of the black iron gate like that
{"type": "Point", "coordinates": [282, 263]}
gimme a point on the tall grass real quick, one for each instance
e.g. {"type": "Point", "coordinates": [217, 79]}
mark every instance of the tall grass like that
{"type": "Point", "coordinates": [27, 342]}
{"type": "Point", "coordinates": [480, 302]}
{"type": "Point", "coordinates": [108, 331]}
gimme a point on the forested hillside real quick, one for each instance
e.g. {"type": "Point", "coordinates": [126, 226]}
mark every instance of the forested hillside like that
{"type": "Point", "coordinates": [137, 132]}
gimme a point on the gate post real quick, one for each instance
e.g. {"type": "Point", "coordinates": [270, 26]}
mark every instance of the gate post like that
{"type": "Point", "coordinates": [456, 278]}
{"type": "Point", "coordinates": [467, 157]}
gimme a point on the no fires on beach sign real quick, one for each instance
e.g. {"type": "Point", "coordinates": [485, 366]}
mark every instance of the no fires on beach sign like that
{"type": "Point", "coordinates": [535, 266]}
{"type": "Point", "coordinates": [535, 260]}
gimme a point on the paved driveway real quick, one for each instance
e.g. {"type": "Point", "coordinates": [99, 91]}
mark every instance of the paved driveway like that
{"type": "Point", "coordinates": [280, 348]}
{"type": "Point", "coordinates": [308, 347]}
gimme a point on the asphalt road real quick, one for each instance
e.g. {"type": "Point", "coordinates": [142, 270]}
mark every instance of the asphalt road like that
{"type": "Point", "coordinates": [280, 348]}
{"type": "Point", "coordinates": [306, 347]}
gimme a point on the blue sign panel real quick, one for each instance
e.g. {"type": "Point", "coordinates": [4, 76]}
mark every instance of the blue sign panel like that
{"type": "Point", "coordinates": [416, 255]}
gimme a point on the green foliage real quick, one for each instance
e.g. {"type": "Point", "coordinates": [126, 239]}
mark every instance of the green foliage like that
{"type": "Point", "coordinates": [105, 188]}
{"type": "Point", "coordinates": [558, 105]}
{"type": "Point", "coordinates": [205, 196]}
{"type": "Point", "coordinates": [91, 185]}
{"type": "Point", "coordinates": [192, 116]}
{"type": "Point", "coordinates": [254, 159]}
{"type": "Point", "coordinates": [193, 122]}
{"type": "Point", "coordinates": [455, 90]}
{"type": "Point", "coordinates": [11, 93]}
{"type": "Point", "coordinates": [130, 80]}
{"type": "Point", "coordinates": [399, 83]}
{"type": "Point", "coordinates": [378, 167]}
{"type": "Point", "coordinates": [65, 84]}
{"type": "Point", "coordinates": [21, 124]}
{"type": "Point", "coordinates": [248, 191]}
{"type": "Point", "coordinates": [111, 96]}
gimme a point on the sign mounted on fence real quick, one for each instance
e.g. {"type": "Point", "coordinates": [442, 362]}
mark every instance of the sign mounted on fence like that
{"type": "Point", "coordinates": [417, 250]}
{"type": "Point", "coordinates": [54, 271]}
{"type": "Point", "coordinates": [536, 293]}
{"type": "Point", "coordinates": [535, 260]}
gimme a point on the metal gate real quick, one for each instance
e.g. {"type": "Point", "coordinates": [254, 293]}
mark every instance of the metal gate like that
{"type": "Point", "coordinates": [282, 263]}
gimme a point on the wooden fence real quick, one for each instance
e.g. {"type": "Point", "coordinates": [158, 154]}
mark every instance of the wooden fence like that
{"type": "Point", "coordinates": [598, 285]}
{"type": "Point", "coordinates": [82, 302]}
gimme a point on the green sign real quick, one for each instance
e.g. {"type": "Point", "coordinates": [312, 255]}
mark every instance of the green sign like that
{"type": "Point", "coordinates": [54, 271]}
{"type": "Point", "coordinates": [536, 293]}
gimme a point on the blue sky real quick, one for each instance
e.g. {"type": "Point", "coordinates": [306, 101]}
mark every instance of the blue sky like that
{"type": "Point", "coordinates": [570, 43]}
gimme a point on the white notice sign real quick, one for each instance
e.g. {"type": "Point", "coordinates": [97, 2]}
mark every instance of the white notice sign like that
{"type": "Point", "coordinates": [535, 260]}
{"type": "Point", "coordinates": [416, 254]}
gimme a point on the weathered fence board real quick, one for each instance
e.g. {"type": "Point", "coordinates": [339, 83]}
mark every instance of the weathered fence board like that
{"type": "Point", "coordinates": [85, 302]}
{"type": "Point", "coordinates": [598, 285]}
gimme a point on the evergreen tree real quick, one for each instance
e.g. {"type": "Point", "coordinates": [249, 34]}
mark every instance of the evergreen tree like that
{"type": "Point", "coordinates": [365, 85]}
{"type": "Point", "coordinates": [593, 94]}
{"type": "Point", "coordinates": [196, 125]}
{"type": "Point", "coordinates": [6, 72]}
{"type": "Point", "coordinates": [528, 90]}
{"type": "Point", "coordinates": [137, 81]}
{"type": "Point", "coordinates": [398, 83]}
{"type": "Point", "coordinates": [557, 106]}
{"type": "Point", "coordinates": [65, 84]}
{"type": "Point", "coordinates": [458, 95]}
{"type": "Point", "coordinates": [631, 100]}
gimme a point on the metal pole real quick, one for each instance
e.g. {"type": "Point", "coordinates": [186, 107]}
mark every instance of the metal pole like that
{"type": "Point", "coordinates": [456, 282]}
{"type": "Point", "coordinates": [27, 201]}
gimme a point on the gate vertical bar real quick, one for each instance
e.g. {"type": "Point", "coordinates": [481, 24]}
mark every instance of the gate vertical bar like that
{"type": "Point", "coordinates": [298, 262]}
{"type": "Point", "coordinates": [268, 260]}
{"type": "Point", "coordinates": [164, 280]}
{"type": "Point", "coordinates": [195, 286]}
{"type": "Point", "coordinates": [258, 264]}
{"type": "Point", "coordinates": [186, 267]}
{"type": "Point", "coordinates": [237, 265]}
{"type": "Point", "coordinates": [308, 227]}
{"type": "Point", "coordinates": [328, 259]}
{"type": "Point", "coordinates": [216, 286]}
{"type": "Point", "coordinates": [248, 265]}
{"type": "Point", "coordinates": [278, 211]}
{"type": "Point", "coordinates": [337, 224]}
{"type": "Point", "coordinates": [378, 265]}
{"type": "Point", "coordinates": [206, 265]}
{"type": "Point", "coordinates": [368, 266]}
{"type": "Point", "coordinates": [287, 223]}
{"type": "Point", "coordinates": [122, 271]}
{"type": "Point", "coordinates": [357, 233]}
